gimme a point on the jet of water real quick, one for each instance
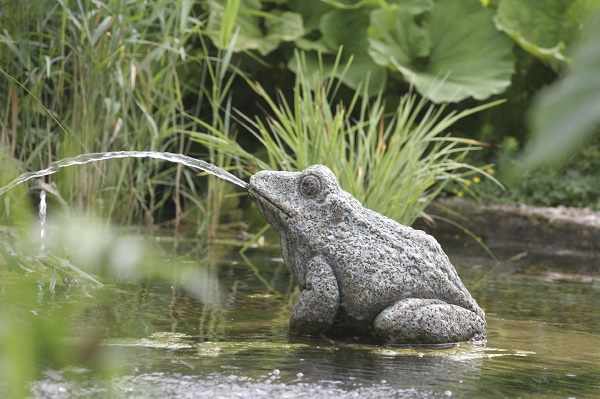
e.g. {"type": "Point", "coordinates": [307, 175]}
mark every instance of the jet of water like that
{"type": "Point", "coordinates": [102, 156]}
{"type": "Point", "coordinates": [43, 209]}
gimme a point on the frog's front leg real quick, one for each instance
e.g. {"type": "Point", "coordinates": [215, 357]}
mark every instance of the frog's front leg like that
{"type": "Point", "coordinates": [428, 321]}
{"type": "Point", "coordinates": [319, 300]}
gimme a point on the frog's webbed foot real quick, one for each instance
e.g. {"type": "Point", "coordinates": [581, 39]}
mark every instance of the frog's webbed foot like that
{"type": "Point", "coordinates": [319, 301]}
{"type": "Point", "coordinates": [428, 321]}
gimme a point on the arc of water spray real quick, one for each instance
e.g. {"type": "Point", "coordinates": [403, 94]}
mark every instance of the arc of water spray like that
{"type": "Point", "coordinates": [43, 212]}
{"type": "Point", "coordinates": [102, 156]}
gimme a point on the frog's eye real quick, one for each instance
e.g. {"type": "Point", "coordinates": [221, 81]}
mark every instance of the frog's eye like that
{"type": "Point", "coordinates": [310, 186]}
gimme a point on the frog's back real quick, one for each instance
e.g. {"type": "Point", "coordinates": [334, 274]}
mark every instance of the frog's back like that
{"type": "Point", "coordinates": [378, 262]}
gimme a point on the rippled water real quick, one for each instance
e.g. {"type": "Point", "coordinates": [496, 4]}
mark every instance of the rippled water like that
{"type": "Point", "coordinates": [544, 341]}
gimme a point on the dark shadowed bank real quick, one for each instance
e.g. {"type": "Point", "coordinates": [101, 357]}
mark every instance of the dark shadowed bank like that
{"type": "Point", "coordinates": [520, 231]}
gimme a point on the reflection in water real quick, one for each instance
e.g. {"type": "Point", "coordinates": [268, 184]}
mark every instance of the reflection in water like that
{"type": "Point", "coordinates": [543, 340]}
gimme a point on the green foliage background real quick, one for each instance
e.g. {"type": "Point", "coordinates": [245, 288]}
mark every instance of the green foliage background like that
{"type": "Point", "coordinates": [179, 75]}
{"type": "Point", "coordinates": [110, 75]}
{"type": "Point", "coordinates": [448, 50]}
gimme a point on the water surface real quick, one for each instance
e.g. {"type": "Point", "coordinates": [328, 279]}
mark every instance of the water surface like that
{"type": "Point", "coordinates": [544, 342]}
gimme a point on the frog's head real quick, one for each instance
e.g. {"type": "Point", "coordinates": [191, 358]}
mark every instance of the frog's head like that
{"type": "Point", "coordinates": [301, 200]}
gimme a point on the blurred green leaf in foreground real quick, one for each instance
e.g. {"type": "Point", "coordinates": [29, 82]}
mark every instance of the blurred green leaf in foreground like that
{"type": "Point", "coordinates": [568, 112]}
{"type": "Point", "coordinates": [45, 295]}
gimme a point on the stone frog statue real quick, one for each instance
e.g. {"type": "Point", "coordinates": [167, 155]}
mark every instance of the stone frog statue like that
{"type": "Point", "coordinates": [361, 273]}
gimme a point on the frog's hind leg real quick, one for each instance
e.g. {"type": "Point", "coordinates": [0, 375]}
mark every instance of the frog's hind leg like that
{"type": "Point", "coordinates": [427, 321]}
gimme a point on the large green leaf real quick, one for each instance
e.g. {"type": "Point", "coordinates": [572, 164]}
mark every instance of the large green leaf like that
{"type": "Point", "coordinates": [311, 12]}
{"type": "Point", "coordinates": [353, 4]}
{"type": "Point", "coordinates": [412, 5]}
{"type": "Point", "coordinates": [354, 50]}
{"type": "Point", "coordinates": [257, 30]}
{"type": "Point", "coordinates": [565, 114]}
{"type": "Point", "coordinates": [544, 28]}
{"type": "Point", "coordinates": [454, 53]}
{"type": "Point", "coordinates": [396, 38]}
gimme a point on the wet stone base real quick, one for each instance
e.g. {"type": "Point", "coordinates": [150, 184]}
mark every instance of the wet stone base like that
{"type": "Point", "coordinates": [519, 233]}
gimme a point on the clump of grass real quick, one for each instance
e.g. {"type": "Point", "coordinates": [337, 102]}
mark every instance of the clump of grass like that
{"type": "Point", "coordinates": [112, 73]}
{"type": "Point", "coordinates": [395, 162]}
{"type": "Point", "coordinates": [219, 76]}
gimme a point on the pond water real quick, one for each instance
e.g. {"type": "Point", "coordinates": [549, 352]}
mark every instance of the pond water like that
{"type": "Point", "coordinates": [544, 341]}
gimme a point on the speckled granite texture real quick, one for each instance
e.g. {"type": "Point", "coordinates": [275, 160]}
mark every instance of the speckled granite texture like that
{"type": "Point", "coordinates": [360, 272]}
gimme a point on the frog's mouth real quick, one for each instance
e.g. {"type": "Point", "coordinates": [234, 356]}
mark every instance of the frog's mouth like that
{"type": "Point", "coordinates": [267, 205]}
